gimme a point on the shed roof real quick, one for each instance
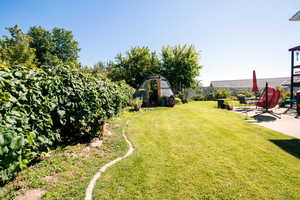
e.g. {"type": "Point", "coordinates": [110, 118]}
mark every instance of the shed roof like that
{"type": "Point", "coordinates": [155, 77]}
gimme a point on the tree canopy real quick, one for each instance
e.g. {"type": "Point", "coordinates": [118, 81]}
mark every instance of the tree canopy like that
{"type": "Point", "coordinates": [38, 47]}
{"type": "Point", "coordinates": [57, 46]}
{"type": "Point", "coordinates": [179, 64]}
{"type": "Point", "coordinates": [16, 49]}
{"type": "Point", "coordinates": [135, 66]}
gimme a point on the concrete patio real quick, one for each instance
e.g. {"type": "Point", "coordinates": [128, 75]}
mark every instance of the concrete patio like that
{"type": "Point", "coordinates": [289, 122]}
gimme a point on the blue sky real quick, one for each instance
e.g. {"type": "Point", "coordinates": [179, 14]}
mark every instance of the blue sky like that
{"type": "Point", "coordinates": [233, 36]}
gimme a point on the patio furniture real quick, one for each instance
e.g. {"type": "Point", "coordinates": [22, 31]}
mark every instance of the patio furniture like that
{"type": "Point", "coordinates": [242, 99]}
{"type": "Point", "coordinates": [268, 100]}
{"type": "Point", "coordinates": [221, 103]}
{"type": "Point", "coordinates": [288, 101]}
{"type": "Point", "coordinates": [298, 101]}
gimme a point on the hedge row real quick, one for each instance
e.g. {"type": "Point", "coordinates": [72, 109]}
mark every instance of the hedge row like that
{"type": "Point", "coordinates": [42, 108]}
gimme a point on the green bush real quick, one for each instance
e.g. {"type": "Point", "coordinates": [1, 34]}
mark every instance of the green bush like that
{"type": "Point", "coordinates": [44, 108]}
{"type": "Point", "coordinates": [137, 104]}
{"type": "Point", "coordinates": [198, 97]}
{"type": "Point", "coordinates": [247, 93]}
{"type": "Point", "coordinates": [218, 94]}
{"type": "Point", "coordinates": [284, 94]}
{"type": "Point", "coordinates": [229, 103]}
{"type": "Point", "coordinates": [178, 101]}
{"type": "Point", "coordinates": [232, 98]}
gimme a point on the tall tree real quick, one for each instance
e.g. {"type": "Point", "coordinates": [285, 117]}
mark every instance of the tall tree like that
{"type": "Point", "coordinates": [135, 66]}
{"type": "Point", "coordinates": [15, 50]}
{"type": "Point", "coordinates": [43, 43]}
{"type": "Point", "coordinates": [180, 65]}
{"type": "Point", "coordinates": [57, 46]}
{"type": "Point", "coordinates": [66, 47]}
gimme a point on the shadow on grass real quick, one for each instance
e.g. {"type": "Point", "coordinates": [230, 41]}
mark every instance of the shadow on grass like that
{"type": "Point", "coordinates": [133, 110]}
{"type": "Point", "coordinates": [291, 146]}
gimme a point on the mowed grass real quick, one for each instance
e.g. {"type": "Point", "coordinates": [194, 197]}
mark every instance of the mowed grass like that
{"type": "Point", "coordinates": [195, 151]}
{"type": "Point", "coordinates": [65, 173]}
{"type": "Point", "coordinates": [192, 151]}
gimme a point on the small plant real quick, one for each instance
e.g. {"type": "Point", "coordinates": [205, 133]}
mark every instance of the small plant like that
{"type": "Point", "coordinates": [137, 104]}
{"type": "Point", "coordinates": [178, 101]}
{"type": "Point", "coordinates": [229, 104]}
{"type": "Point", "coordinates": [232, 98]}
{"type": "Point", "coordinates": [246, 93]}
{"type": "Point", "coordinates": [182, 97]}
{"type": "Point", "coordinates": [198, 97]}
{"type": "Point", "coordinates": [284, 94]}
{"type": "Point", "coordinates": [219, 94]}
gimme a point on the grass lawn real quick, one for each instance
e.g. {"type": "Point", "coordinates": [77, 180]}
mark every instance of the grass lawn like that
{"type": "Point", "coordinates": [192, 151]}
{"type": "Point", "coordinates": [66, 173]}
{"type": "Point", "coordinates": [195, 151]}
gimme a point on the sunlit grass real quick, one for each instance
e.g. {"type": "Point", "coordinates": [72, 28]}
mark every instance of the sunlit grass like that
{"type": "Point", "coordinates": [192, 151]}
{"type": "Point", "coordinates": [70, 170]}
{"type": "Point", "coordinates": [196, 151]}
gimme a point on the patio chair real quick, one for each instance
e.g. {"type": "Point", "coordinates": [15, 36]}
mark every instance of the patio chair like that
{"type": "Point", "coordinates": [268, 99]}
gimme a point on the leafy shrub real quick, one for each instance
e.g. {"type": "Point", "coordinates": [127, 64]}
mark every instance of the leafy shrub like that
{"type": "Point", "coordinates": [219, 94]}
{"type": "Point", "coordinates": [198, 97]}
{"type": "Point", "coordinates": [177, 101]}
{"type": "Point", "coordinates": [232, 98]}
{"type": "Point", "coordinates": [245, 92]}
{"type": "Point", "coordinates": [284, 94]}
{"type": "Point", "coordinates": [137, 104]}
{"type": "Point", "coordinates": [43, 108]}
{"type": "Point", "coordinates": [182, 97]}
{"type": "Point", "coordinates": [229, 103]}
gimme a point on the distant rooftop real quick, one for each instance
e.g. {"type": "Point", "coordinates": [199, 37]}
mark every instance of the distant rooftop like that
{"type": "Point", "coordinates": [296, 17]}
{"type": "Point", "coordinates": [247, 83]}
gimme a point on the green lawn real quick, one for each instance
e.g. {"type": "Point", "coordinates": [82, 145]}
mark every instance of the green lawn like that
{"type": "Point", "coordinates": [72, 169]}
{"type": "Point", "coordinates": [195, 151]}
{"type": "Point", "coordinates": [192, 151]}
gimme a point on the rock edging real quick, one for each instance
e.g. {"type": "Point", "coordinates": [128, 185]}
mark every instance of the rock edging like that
{"type": "Point", "coordinates": [89, 190]}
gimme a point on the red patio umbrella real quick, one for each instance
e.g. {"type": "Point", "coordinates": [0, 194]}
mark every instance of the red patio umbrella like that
{"type": "Point", "coordinates": [254, 82]}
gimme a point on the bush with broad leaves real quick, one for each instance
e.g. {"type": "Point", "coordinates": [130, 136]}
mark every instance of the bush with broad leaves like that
{"type": "Point", "coordinates": [42, 108]}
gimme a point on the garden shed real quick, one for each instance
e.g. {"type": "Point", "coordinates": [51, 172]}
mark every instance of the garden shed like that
{"type": "Point", "coordinates": [154, 91]}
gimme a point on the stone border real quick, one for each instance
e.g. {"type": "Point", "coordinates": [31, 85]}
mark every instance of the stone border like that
{"type": "Point", "coordinates": [89, 190]}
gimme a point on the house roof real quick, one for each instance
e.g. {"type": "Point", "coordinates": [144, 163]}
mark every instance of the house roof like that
{"type": "Point", "coordinates": [297, 48]}
{"type": "Point", "coordinates": [247, 83]}
{"type": "Point", "coordinates": [296, 17]}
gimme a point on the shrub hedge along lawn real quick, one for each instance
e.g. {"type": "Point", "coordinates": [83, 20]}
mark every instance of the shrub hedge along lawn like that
{"type": "Point", "coordinates": [42, 108]}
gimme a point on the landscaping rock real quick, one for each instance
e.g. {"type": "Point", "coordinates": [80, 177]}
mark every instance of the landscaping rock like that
{"type": "Point", "coordinates": [86, 149]}
{"type": "Point", "coordinates": [96, 143]}
{"type": "Point", "coordinates": [105, 130]}
{"type": "Point", "coordinates": [35, 194]}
